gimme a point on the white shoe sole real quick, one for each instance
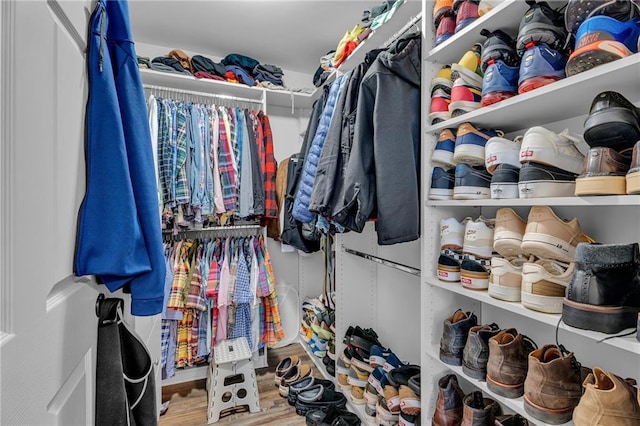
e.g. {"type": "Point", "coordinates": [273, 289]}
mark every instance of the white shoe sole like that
{"type": "Point", "coordinates": [448, 276]}
{"type": "Point", "coordinates": [507, 243]}
{"type": "Point", "coordinates": [440, 194]}
{"type": "Point", "coordinates": [500, 191]}
{"type": "Point", "coordinates": [466, 106]}
{"type": "Point", "coordinates": [543, 189]}
{"type": "Point", "coordinates": [471, 193]}
{"type": "Point", "coordinates": [509, 294]}
{"type": "Point", "coordinates": [474, 282]}
{"type": "Point", "coordinates": [444, 116]}
{"type": "Point", "coordinates": [548, 247]}
{"type": "Point", "coordinates": [469, 154]}
{"type": "Point", "coordinates": [443, 157]}
{"type": "Point", "coordinates": [546, 304]}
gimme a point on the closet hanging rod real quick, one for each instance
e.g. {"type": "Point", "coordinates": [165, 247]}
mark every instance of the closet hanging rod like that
{"type": "Point", "coordinates": [385, 262]}
{"type": "Point", "coordinates": [413, 21]}
{"type": "Point", "coordinates": [201, 94]}
{"type": "Point", "coordinates": [218, 228]}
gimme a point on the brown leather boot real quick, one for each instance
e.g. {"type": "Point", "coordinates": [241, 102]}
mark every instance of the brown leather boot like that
{"type": "Point", "coordinates": [553, 386]}
{"type": "Point", "coordinates": [603, 172]}
{"type": "Point", "coordinates": [511, 420]}
{"type": "Point", "coordinates": [508, 362]}
{"type": "Point", "coordinates": [607, 400]}
{"type": "Point", "coordinates": [454, 336]}
{"type": "Point", "coordinates": [448, 410]}
{"type": "Point", "coordinates": [479, 411]}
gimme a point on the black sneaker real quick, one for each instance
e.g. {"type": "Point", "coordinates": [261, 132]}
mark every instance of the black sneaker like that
{"type": "Point", "coordinates": [578, 11]}
{"type": "Point", "coordinates": [504, 182]}
{"type": "Point", "coordinates": [613, 122]}
{"type": "Point", "coordinates": [332, 416]}
{"type": "Point", "coordinates": [541, 24]}
{"type": "Point", "coordinates": [471, 183]}
{"type": "Point", "coordinates": [541, 181]}
{"type": "Point", "coordinates": [442, 183]}
{"type": "Point", "coordinates": [498, 46]}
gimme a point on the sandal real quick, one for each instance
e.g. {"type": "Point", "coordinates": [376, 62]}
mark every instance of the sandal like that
{"type": "Point", "coordinates": [284, 366]}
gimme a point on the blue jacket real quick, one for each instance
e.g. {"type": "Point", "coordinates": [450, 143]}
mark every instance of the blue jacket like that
{"type": "Point", "coordinates": [119, 238]}
{"type": "Point", "coordinates": [305, 186]}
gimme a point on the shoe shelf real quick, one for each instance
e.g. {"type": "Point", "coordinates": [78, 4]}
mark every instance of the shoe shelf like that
{"type": "Point", "coordinates": [627, 343]}
{"type": "Point", "coordinates": [356, 408]}
{"type": "Point", "coordinates": [512, 404]}
{"type": "Point", "coordinates": [505, 16]}
{"type": "Point", "coordinates": [316, 361]}
{"type": "Point", "coordinates": [563, 99]}
{"type": "Point", "coordinates": [605, 200]}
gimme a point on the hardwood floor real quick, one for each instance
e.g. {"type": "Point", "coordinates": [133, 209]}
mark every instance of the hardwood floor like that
{"type": "Point", "coordinates": [188, 405]}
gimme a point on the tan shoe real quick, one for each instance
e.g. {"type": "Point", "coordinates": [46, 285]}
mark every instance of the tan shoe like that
{"type": "Point", "coordinates": [505, 280]}
{"type": "Point", "coordinates": [508, 363]}
{"type": "Point", "coordinates": [553, 386]}
{"type": "Point", "coordinates": [633, 176]}
{"type": "Point", "coordinates": [549, 237]}
{"type": "Point", "coordinates": [607, 400]}
{"type": "Point", "coordinates": [508, 233]}
{"type": "Point", "coordinates": [544, 284]}
{"type": "Point", "coordinates": [284, 366]}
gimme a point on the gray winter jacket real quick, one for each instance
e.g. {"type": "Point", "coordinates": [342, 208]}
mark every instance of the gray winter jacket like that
{"type": "Point", "coordinates": [384, 167]}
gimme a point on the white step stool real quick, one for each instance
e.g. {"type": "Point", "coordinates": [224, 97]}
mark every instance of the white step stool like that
{"type": "Point", "coordinates": [231, 379]}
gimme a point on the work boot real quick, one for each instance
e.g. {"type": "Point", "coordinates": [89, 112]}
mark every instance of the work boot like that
{"type": "Point", "coordinates": [508, 362]}
{"type": "Point", "coordinates": [604, 292]}
{"type": "Point", "coordinates": [476, 351]}
{"type": "Point", "coordinates": [479, 411]}
{"type": "Point", "coordinates": [454, 336]}
{"type": "Point", "coordinates": [607, 400]}
{"type": "Point", "coordinates": [448, 410]}
{"type": "Point", "coordinates": [553, 386]}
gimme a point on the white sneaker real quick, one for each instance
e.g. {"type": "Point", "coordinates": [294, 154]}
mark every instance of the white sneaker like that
{"type": "Point", "coordinates": [540, 145]}
{"type": "Point", "coordinates": [452, 233]}
{"type": "Point", "coordinates": [502, 151]}
{"type": "Point", "coordinates": [505, 281]}
{"type": "Point", "coordinates": [478, 238]}
{"type": "Point", "coordinates": [544, 283]}
{"type": "Point", "coordinates": [508, 233]}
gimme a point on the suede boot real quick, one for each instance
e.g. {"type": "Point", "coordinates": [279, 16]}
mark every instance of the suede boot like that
{"type": "Point", "coordinates": [448, 410]}
{"type": "Point", "coordinates": [607, 400]}
{"type": "Point", "coordinates": [604, 293]}
{"type": "Point", "coordinates": [508, 362]}
{"type": "Point", "coordinates": [454, 336]}
{"type": "Point", "coordinates": [476, 351]}
{"type": "Point", "coordinates": [479, 411]}
{"type": "Point", "coordinates": [553, 386]}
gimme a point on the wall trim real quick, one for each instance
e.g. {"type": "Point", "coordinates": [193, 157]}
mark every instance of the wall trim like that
{"type": "Point", "coordinates": [7, 124]}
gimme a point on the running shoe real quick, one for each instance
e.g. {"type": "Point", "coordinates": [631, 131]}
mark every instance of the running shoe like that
{"type": "Point", "coordinates": [465, 97]}
{"type": "Point", "coordinates": [439, 107]}
{"type": "Point", "coordinates": [602, 39]}
{"type": "Point", "coordinates": [541, 65]}
{"type": "Point", "coordinates": [440, 8]}
{"type": "Point", "coordinates": [578, 11]}
{"type": "Point", "coordinates": [466, 13]}
{"type": "Point", "coordinates": [469, 66]}
{"type": "Point", "coordinates": [541, 24]}
{"type": "Point", "coordinates": [498, 46]}
{"type": "Point", "coordinates": [500, 82]}
{"type": "Point", "coordinates": [446, 28]}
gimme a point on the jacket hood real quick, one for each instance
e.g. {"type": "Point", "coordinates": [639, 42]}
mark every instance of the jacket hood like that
{"type": "Point", "coordinates": [403, 58]}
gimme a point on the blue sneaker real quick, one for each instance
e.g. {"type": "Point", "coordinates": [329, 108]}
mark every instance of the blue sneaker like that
{"type": "Point", "coordinates": [442, 182]}
{"type": "Point", "coordinates": [378, 379]}
{"type": "Point", "coordinates": [470, 144]}
{"type": "Point", "coordinates": [378, 355]}
{"type": "Point", "coordinates": [443, 153]}
{"type": "Point", "coordinates": [600, 40]}
{"type": "Point", "coordinates": [471, 183]}
{"type": "Point", "coordinates": [500, 82]}
{"type": "Point", "coordinates": [392, 362]}
{"type": "Point", "coordinates": [541, 65]}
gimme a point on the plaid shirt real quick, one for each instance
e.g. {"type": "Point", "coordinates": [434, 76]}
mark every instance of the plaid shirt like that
{"type": "Point", "coordinates": [214, 162]}
{"type": "Point", "coordinates": [180, 277]}
{"type": "Point", "coordinates": [226, 165]}
{"type": "Point", "coordinates": [165, 152]}
{"type": "Point", "coordinates": [270, 167]}
{"type": "Point", "coordinates": [182, 195]}
{"type": "Point", "coordinates": [194, 298]}
{"type": "Point", "coordinates": [242, 298]}
{"type": "Point", "coordinates": [183, 358]}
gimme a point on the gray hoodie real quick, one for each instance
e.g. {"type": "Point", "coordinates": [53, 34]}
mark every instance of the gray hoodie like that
{"type": "Point", "coordinates": [382, 177]}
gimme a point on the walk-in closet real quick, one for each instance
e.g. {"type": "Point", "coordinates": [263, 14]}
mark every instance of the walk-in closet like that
{"type": "Point", "coordinates": [369, 212]}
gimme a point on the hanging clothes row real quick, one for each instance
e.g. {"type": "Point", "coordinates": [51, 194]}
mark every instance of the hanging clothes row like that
{"type": "Point", "coordinates": [217, 289]}
{"type": "Point", "coordinates": [360, 159]}
{"type": "Point", "coordinates": [214, 163]}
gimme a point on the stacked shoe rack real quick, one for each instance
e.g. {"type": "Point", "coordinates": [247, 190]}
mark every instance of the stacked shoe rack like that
{"type": "Point", "coordinates": [608, 219]}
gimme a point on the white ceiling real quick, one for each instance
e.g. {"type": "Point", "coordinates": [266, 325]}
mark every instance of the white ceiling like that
{"type": "Point", "coordinates": [290, 34]}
